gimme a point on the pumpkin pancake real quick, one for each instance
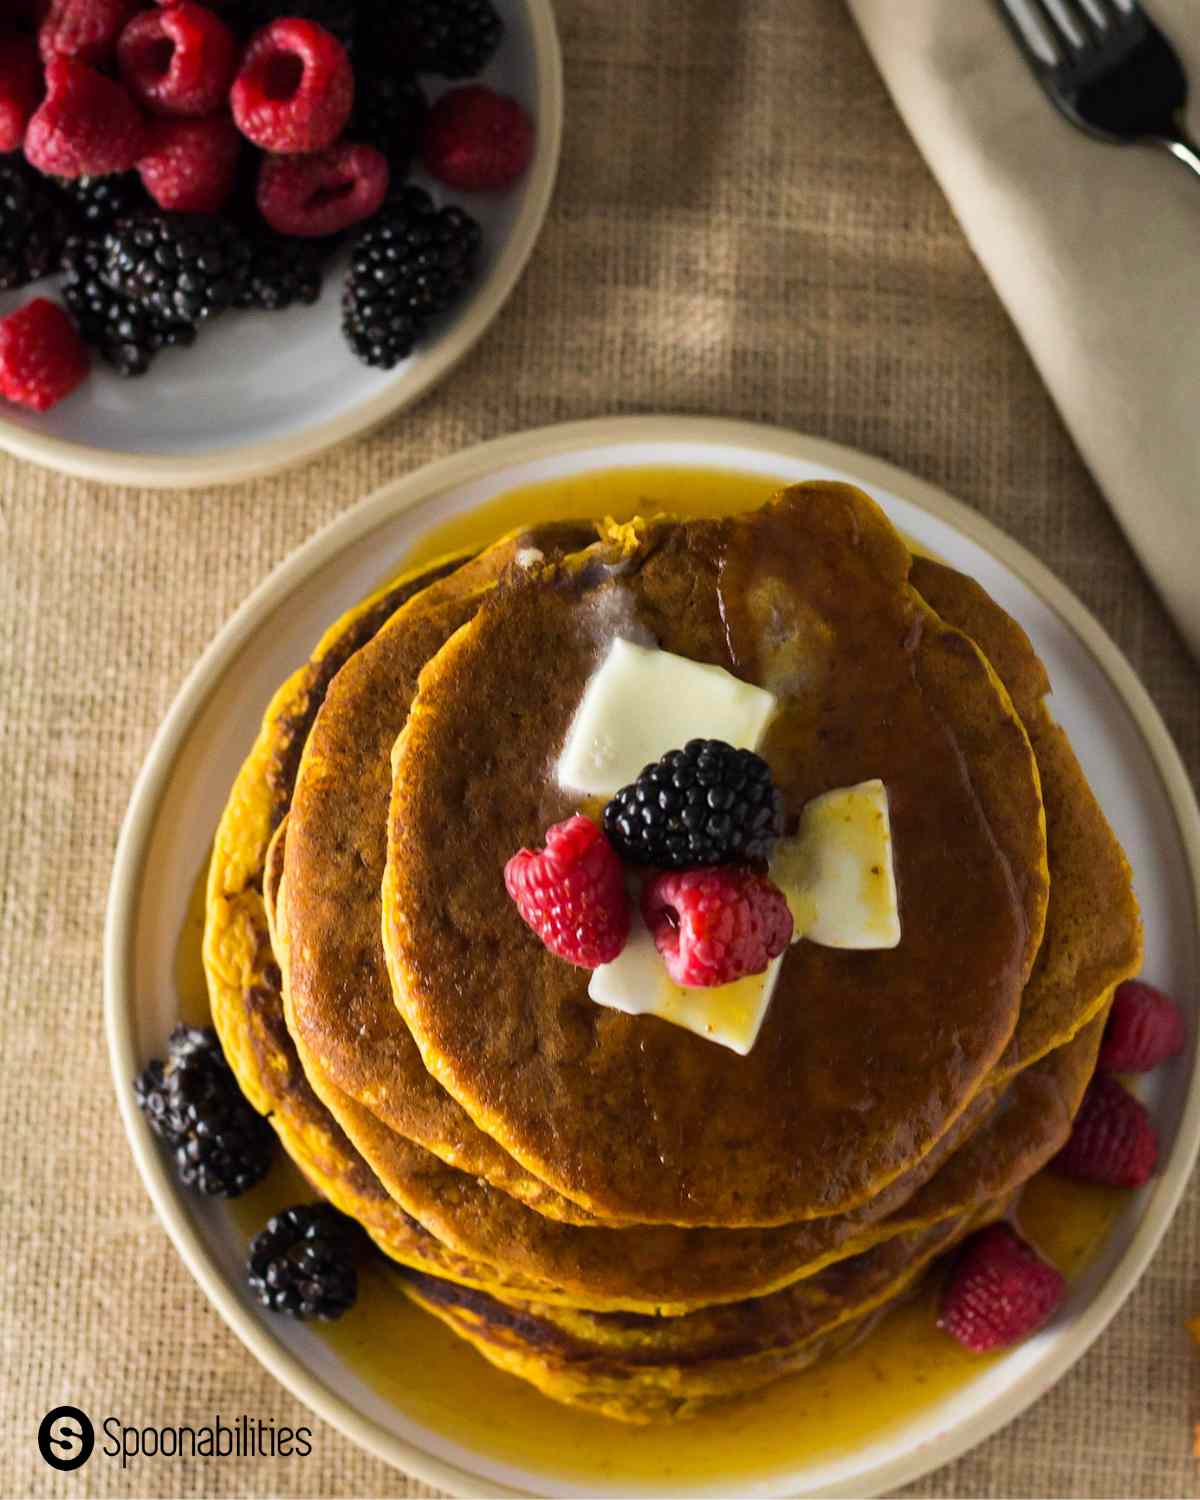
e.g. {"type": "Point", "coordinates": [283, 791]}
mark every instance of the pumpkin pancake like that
{"type": "Point", "coordinates": [627, 1115]}
{"type": "Point", "coordinates": [237, 955]}
{"type": "Point", "coordinates": [638, 1369]}
{"type": "Point", "coordinates": [673, 1270]}
{"type": "Point", "coordinates": [335, 855]}
{"type": "Point", "coordinates": [1093, 935]}
{"type": "Point", "coordinates": [339, 859]}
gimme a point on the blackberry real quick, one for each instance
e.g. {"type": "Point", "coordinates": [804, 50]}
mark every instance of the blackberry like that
{"type": "Point", "coordinates": [35, 223]}
{"type": "Point", "coordinates": [124, 335]}
{"type": "Point", "coordinates": [282, 271]}
{"type": "Point", "coordinates": [389, 114]}
{"type": "Point", "coordinates": [183, 268]}
{"type": "Point", "coordinates": [707, 804]}
{"type": "Point", "coordinates": [302, 1263]}
{"type": "Point", "coordinates": [101, 201]}
{"type": "Point", "coordinates": [193, 1104]}
{"type": "Point", "coordinates": [410, 263]}
{"type": "Point", "coordinates": [453, 38]}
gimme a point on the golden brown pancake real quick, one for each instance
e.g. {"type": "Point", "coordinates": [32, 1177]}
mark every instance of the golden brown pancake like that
{"type": "Point", "coordinates": [1093, 935]}
{"type": "Point", "coordinates": [335, 854]}
{"type": "Point", "coordinates": [637, 1369]}
{"type": "Point", "coordinates": [864, 1059]}
{"type": "Point", "coordinates": [672, 1270]}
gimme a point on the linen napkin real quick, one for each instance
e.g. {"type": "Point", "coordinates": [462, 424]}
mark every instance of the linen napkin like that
{"type": "Point", "coordinates": [1094, 250]}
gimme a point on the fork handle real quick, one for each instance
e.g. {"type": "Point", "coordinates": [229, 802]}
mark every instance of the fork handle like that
{"type": "Point", "coordinates": [1181, 146]}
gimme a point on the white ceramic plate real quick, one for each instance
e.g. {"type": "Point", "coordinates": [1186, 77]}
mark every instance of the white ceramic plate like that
{"type": "Point", "coordinates": [260, 391]}
{"type": "Point", "coordinates": [1117, 732]}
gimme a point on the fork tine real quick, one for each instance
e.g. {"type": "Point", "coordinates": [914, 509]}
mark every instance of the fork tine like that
{"type": "Point", "coordinates": [1033, 31]}
{"type": "Point", "coordinates": [1071, 20]}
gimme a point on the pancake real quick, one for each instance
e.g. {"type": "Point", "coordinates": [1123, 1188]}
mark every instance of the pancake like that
{"type": "Point", "coordinates": [652, 1369]}
{"type": "Point", "coordinates": [635, 1118]}
{"type": "Point", "coordinates": [237, 957]}
{"type": "Point", "coordinates": [463, 1215]}
{"type": "Point", "coordinates": [335, 855]}
{"type": "Point", "coordinates": [671, 1270]}
{"type": "Point", "coordinates": [1093, 936]}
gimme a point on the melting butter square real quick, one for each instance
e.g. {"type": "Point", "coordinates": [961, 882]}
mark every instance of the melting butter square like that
{"type": "Point", "coordinates": [642, 702]}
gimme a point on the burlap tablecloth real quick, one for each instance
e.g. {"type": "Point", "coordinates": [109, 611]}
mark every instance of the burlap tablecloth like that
{"type": "Point", "coordinates": [741, 227]}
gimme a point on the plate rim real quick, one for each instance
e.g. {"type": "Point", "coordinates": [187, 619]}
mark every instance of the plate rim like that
{"type": "Point", "coordinates": [342, 532]}
{"type": "Point", "coordinates": [256, 460]}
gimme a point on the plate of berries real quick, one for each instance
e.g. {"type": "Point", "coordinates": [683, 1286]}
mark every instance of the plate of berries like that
{"type": "Point", "coordinates": [233, 233]}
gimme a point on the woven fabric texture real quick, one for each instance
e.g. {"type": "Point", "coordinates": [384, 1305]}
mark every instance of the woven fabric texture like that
{"type": "Point", "coordinates": [742, 227]}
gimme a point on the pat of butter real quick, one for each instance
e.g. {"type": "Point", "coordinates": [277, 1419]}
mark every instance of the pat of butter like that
{"type": "Point", "coordinates": [837, 872]}
{"type": "Point", "coordinates": [637, 983]}
{"type": "Point", "coordinates": [643, 702]}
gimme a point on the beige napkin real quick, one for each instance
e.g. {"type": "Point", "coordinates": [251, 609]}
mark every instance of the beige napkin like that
{"type": "Point", "coordinates": [1094, 250]}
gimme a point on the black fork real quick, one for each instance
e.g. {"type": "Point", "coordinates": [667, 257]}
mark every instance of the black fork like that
{"type": "Point", "coordinates": [1108, 68]}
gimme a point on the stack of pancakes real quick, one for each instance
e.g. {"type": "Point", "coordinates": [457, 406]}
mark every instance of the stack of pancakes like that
{"type": "Point", "coordinates": [629, 1216]}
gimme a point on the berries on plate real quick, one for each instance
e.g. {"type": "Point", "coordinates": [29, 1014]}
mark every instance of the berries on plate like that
{"type": "Point", "coordinates": [302, 1263]}
{"type": "Point", "coordinates": [83, 29]}
{"type": "Point", "coordinates": [314, 196]}
{"type": "Point", "coordinates": [477, 140]}
{"type": "Point", "coordinates": [572, 893]}
{"type": "Point", "coordinates": [126, 336]}
{"type": "Point", "coordinates": [87, 125]}
{"type": "Point", "coordinates": [189, 166]}
{"type": "Point", "coordinates": [1145, 1028]}
{"type": "Point", "coordinates": [184, 268]}
{"type": "Point", "coordinates": [410, 263]}
{"type": "Point", "coordinates": [1112, 1140]}
{"type": "Point", "coordinates": [202, 154]}
{"type": "Point", "coordinates": [295, 88]}
{"type": "Point", "coordinates": [221, 1145]}
{"type": "Point", "coordinates": [35, 224]}
{"type": "Point", "coordinates": [20, 87]}
{"type": "Point", "coordinates": [716, 926]}
{"type": "Point", "coordinates": [707, 804]}
{"type": "Point", "coordinates": [1000, 1291]}
{"type": "Point", "coordinates": [179, 60]}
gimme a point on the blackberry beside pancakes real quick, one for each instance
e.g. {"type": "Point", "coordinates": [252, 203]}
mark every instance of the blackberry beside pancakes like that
{"type": "Point", "coordinates": [513, 1264]}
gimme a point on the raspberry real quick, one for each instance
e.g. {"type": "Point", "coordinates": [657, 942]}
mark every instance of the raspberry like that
{"type": "Point", "coordinates": [1112, 1140]}
{"type": "Point", "coordinates": [1000, 1291]}
{"type": "Point", "coordinates": [572, 893]}
{"type": "Point", "coordinates": [179, 61]}
{"type": "Point", "coordinates": [190, 165]}
{"type": "Point", "coordinates": [295, 88]}
{"type": "Point", "coordinates": [715, 926]}
{"type": "Point", "coordinates": [87, 125]}
{"type": "Point", "coordinates": [312, 196]}
{"type": "Point", "coordinates": [20, 87]}
{"type": "Point", "coordinates": [83, 29]}
{"type": "Point", "coordinates": [1145, 1028]}
{"type": "Point", "coordinates": [42, 358]}
{"type": "Point", "coordinates": [477, 140]}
